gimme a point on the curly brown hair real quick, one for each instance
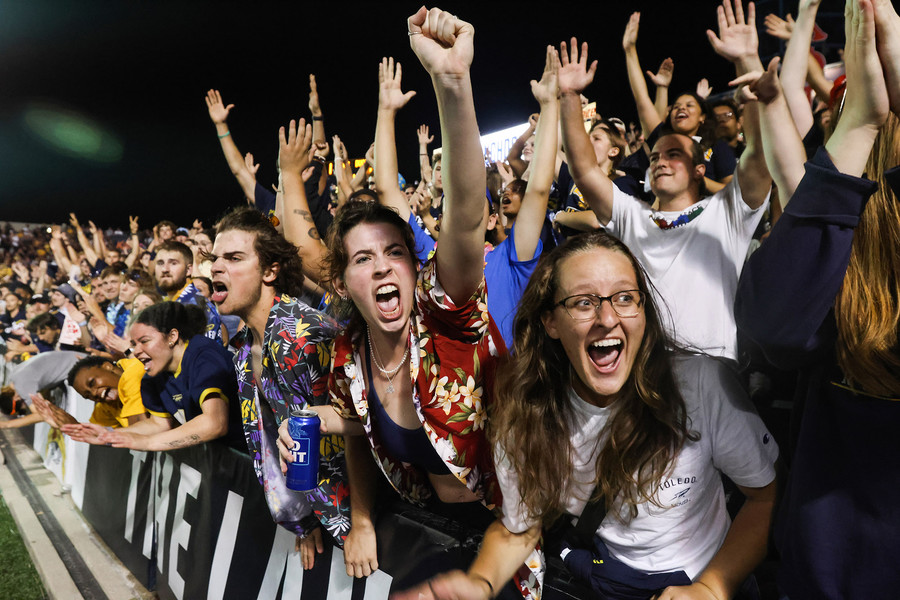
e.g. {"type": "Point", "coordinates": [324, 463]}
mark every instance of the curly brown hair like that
{"type": "Point", "coordinates": [270, 246]}
{"type": "Point", "coordinates": [531, 411]}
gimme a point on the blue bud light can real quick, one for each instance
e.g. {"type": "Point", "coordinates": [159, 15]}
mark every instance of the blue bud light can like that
{"type": "Point", "coordinates": [303, 470]}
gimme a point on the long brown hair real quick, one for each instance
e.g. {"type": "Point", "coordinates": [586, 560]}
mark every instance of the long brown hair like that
{"type": "Point", "coordinates": [867, 308]}
{"type": "Point", "coordinates": [531, 412]}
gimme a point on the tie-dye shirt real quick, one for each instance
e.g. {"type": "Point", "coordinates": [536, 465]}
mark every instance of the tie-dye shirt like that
{"type": "Point", "coordinates": [296, 354]}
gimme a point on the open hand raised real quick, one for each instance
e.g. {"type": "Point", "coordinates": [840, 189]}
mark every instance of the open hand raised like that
{"type": "Point", "coordinates": [390, 96]}
{"type": "Point", "coordinates": [574, 74]}
{"type": "Point", "coordinates": [218, 112]}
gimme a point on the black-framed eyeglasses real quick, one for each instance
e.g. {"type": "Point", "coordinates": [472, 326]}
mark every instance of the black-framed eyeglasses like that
{"type": "Point", "coordinates": [584, 307]}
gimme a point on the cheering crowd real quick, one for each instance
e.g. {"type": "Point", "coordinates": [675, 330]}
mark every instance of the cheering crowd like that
{"type": "Point", "coordinates": [568, 333]}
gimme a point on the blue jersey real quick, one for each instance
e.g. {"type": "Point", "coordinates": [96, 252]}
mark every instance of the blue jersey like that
{"type": "Point", "coordinates": [206, 368]}
{"type": "Point", "coordinates": [191, 295]}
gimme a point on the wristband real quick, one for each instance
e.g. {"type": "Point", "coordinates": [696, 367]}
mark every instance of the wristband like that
{"type": "Point", "coordinates": [315, 118]}
{"type": "Point", "coordinates": [82, 323]}
{"type": "Point", "coordinates": [423, 154]}
{"type": "Point", "coordinates": [225, 135]}
{"type": "Point", "coordinates": [484, 579]}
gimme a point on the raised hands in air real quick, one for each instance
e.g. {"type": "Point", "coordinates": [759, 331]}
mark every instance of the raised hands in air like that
{"type": "Point", "coordinates": [218, 112]}
{"type": "Point", "coordinates": [574, 73]}
{"type": "Point", "coordinates": [390, 96]}
{"type": "Point", "coordinates": [443, 43]}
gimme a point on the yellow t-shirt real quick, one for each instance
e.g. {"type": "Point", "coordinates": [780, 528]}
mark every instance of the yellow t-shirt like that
{"type": "Point", "coordinates": [129, 394]}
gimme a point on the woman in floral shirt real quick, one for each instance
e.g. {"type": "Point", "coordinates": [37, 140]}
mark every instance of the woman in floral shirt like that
{"type": "Point", "coordinates": [417, 359]}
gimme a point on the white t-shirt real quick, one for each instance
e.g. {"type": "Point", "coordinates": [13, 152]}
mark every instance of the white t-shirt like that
{"type": "Point", "coordinates": [689, 531]}
{"type": "Point", "coordinates": [695, 266]}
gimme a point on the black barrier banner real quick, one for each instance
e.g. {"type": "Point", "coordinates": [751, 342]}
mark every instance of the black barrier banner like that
{"type": "Point", "coordinates": [194, 524]}
{"type": "Point", "coordinates": [116, 504]}
{"type": "Point", "coordinates": [214, 536]}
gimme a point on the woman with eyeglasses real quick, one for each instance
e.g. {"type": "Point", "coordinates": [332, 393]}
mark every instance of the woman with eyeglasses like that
{"type": "Point", "coordinates": [593, 402]}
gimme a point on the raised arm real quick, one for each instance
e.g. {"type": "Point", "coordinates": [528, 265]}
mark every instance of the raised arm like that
{"type": "Point", "coordinates": [444, 46]}
{"type": "Point", "coordinates": [887, 26]}
{"type": "Point", "coordinates": [646, 110]}
{"type": "Point", "coordinates": [793, 71]}
{"type": "Point", "coordinates": [390, 100]}
{"type": "Point", "coordinates": [218, 114]}
{"type": "Point", "coordinates": [85, 244]}
{"type": "Point", "coordinates": [533, 211]}
{"type": "Point", "coordinates": [782, 146]}
{"type": "Point", "coordinates": [359, 178]}
{"type": "Point", "coordinates": [299, 227]}
{"type": "Point", "coordinates": [816, 79]}
{"type": "Point", "coordinates": [341, 170]}
{"type": "Point", "coordinates": [514, 158]}
{"type": "Point", "coordinates": [816, 231]}
{"type": "Point", "coordinates": [315, 109]}
{"type": "Point", "coordinates": [97, 241]}
{"type": "Point", "coordinates": [662, 79]}
{"type": "Point", "coordinates": [574, 77]}
{"type": "Point", "coordinates": [135, 242]}
{"type": "Point", "coordinates": [737, 42]}
{"type": "Point", "coordinates": [59, 251]}
{"type": "Point", "coordinates": [422, 134]}
{"type": "Point", "coordinates": [868, 98]}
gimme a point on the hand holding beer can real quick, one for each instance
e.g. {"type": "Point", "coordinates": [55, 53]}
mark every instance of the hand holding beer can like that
{"type": "Point", "coordinates": [303, 470]}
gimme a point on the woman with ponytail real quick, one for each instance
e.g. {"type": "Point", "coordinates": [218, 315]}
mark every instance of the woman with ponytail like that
{"type": "Point", "coordinates": [189, 385]}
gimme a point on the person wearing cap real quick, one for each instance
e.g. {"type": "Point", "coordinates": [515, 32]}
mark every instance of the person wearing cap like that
{"type": "Point", "coordinates": [74, 323]}
{"type": "Point", "coordinates": [38, 304]}
{"type": "Point", "coordinates": [182, 234]}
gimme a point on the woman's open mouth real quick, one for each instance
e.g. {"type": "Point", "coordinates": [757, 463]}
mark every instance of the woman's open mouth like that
{"type": "Point", "coordinates": [605, 354]}
{"type": "Point", "coordinates": [387, 299]}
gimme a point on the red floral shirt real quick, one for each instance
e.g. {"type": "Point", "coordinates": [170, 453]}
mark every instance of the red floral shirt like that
{"type": "Point", "coordinates": [451, 374]}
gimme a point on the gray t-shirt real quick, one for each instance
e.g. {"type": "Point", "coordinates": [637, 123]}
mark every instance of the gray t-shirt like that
{"type": "Point", "coordinates": [44, 370]}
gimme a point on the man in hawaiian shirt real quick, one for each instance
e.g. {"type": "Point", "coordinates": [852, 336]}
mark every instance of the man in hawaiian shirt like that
{"type": "Point", "coordinates": [282, 363]}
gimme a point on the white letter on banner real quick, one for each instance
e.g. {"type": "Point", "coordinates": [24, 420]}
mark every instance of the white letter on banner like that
{"type": "Point", "coordinates": [378, 586]}
{"type": "Point", "coordinates": [221, 563]}
{"type": "Point", "coordinates": [340, 585]}
{"type": "Point", "coordinates": [137, 459]}
{"type": "Point", "coordinates": [282, 547]}
{"type": "Point", "coordinates": [189, 485]}
{"type": "Point", "coordinates": [161, 497]}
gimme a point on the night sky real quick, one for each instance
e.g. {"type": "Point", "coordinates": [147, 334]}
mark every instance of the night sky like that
{"type": "Point", "coordinates": [140, 71]}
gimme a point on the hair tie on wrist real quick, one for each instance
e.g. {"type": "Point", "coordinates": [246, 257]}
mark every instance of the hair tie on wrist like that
{"type": "Point", "coordinates": [224, 135]}
{"type": "Point", "coordinates": [484, 579]}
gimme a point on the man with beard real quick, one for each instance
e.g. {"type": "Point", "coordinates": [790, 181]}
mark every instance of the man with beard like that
{"type": "Point", "coordinates": [173, 264]}
{"type": "Point", "coordinates": [282, 363]}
